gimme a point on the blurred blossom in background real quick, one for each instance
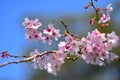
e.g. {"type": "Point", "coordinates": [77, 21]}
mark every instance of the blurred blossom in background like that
{"type": "Point", "coordinates": [72, 12]}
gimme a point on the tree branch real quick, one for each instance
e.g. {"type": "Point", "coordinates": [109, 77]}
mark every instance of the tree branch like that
{"type": "Point", "coordinates": [96, 11]}
{"type": "Point", "coordinates": [65, 26]}
{"type": "Point", "coordinates": [27, 59]}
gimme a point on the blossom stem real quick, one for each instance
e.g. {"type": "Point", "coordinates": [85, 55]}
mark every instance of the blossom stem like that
{"type": "Point", "coordinates": [17, 56]}
{"type": "Point", "coordinates": [96, 11]}
{"type": "Point", "coordinates": [66, 27]}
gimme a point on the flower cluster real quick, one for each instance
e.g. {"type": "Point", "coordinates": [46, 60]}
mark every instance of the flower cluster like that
{"type": "Point", "coordinates": [105, 14]}
{"type": "Point", "coordinates": [72, 45]}
{"type": "Point", "coordinates": [31, 27]}
{"type": "Point", "coordinates": [51, 61]}
{"type": "Point", "coordinates": [33, 32]}
{"type": "Point", "coordinates": [96, 47]}
{"type": "Point", "coordinates": [51, 32]}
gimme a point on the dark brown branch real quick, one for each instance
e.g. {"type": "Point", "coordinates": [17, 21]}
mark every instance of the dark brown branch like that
{"type": "Point", "coordinates": [14, 56]}
{"type": "Point", "coordinates": [96, 11]}
{"type": "Point", "coordinates": [65, 26]}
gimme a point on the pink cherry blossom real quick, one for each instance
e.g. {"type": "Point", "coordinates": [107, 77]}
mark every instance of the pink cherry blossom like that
{"type": "Point", "coordinates": [56, 34]}
{"type": "Point", "coordinates": [31, 27]}
{"type": "Point", "coordinates": [96, 47]}
{"type": "Point", "coordinates": [71, 45]}
{"type": "Point", "coordinates": [50, 62]}
{"type": "Point", "coordinates": [35, 60]}
{"type": "Point", "coordinates": [49, 30]}
{"type": "Point", "coordinates": [34, 24]}
{"type": "Point", "coordinates": [108, 9]}
{"type": "Point", "coordinates": [46, 39]}
{"type": "Point", "coordinates": [33, 34]}
{"type": "Point", "coordinates": [112, 40]}
{"type": "Point", "coordinates": [105, 18]}
{"type": "Point", "coordinates": [52, 32]}
{"type": "Point", "coordinates": [106, 15]}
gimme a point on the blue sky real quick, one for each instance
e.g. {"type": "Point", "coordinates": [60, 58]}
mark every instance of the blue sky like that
{"type": "Point", "coordinates": [12, 14]}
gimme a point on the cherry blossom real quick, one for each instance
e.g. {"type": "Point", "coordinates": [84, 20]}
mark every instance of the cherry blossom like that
{"type": "Point", "coordinates": [52, 32]}
{"type": "Point", "coordinates": [108, 9]}
{"type": "Point", "coordinates": [112, 40]}
{"type": "Point", "coordinates": [34, 24]}
{"type": "Point", "coordinates": [50, 62]}
{"type": "Point", "coordinates": [49, 30]}
{"type": "Point", "coordinates": [71, 45]}
{"type": "Point", "coordinates": [46, 39]}
{"type": "Point", "coordinates": [33, 34]}
{"type": "Point", "coordinates": [96, 47]}
{"type": "Point", "coordinates": [31, 27]}
{"type": "Point", "coordinates": [56, 34]}
{"type": "Point", "coordinates": [106, 15]}
{"type": "Point", "coordinates": [105, 18]}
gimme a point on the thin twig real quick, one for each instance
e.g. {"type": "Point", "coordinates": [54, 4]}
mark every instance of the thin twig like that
{"type": "Point", "coordinates": [17, 56]}
{"type": "Point", "coordinates": [65, 26]}
{"type": "Point", "coordinates": [18, 61]}
{"type": "Point", "coordinates": [26, 59]}
{"type": "Point", "coordinates": [96, 11]}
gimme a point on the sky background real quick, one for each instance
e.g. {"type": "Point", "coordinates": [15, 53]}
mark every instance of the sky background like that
{"type": "Point", "coordinates": [12, 38]}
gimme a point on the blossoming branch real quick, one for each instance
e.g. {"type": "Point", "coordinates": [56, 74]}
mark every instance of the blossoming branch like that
{"type": "Point", "coordinates": [95, 48]}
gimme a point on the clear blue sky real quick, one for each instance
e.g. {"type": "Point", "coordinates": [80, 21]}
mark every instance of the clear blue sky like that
{"type": "Point", "coordinates": [12, 14]}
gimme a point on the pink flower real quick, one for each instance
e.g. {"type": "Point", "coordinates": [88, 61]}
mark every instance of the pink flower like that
{"type": "Point", "coordinates": [36, 59]}
{"type": "Point", "coordinates": [50, 62]}
{"type": "Point", "coordinates": [105, 18]}
{"type": "Point", "coordinates": [49, 30]}
{"type": "Point", "coordinates": [52, 32]}
{"type": "Point", "coordinates": [96, 47]}
{"type": "Point", "coordinates": [34, 24]}
{"type": "Point", "coordinates": [63, 46]}
{"type": "Point", "coordinates": [33, 34]}
{"type": "Point", "coordinates": [108, 9]}
{"type": "Point", "coordinates": [31, 27]}
{"type": "Point", "coordinates": [46, 39]}
{"type": "Point", "coordinates": [56, 62]}
{"type": "Point", "coordinates": [70, 46]}
{"type": "Point", "coordinates": [56, 34]}
{"type": "Point", "coordinates": [112, 40]}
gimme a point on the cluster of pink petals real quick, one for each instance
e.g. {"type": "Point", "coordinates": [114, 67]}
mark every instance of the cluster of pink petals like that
{"type": "Point", "coordinates": [96, 47]}
{"type": "Point", "coordinates": [72, 45]}
{"type": "Point", "coordinates": [50, 62]}
{"type": "Point", "coordinates": [33, 32]}
{"type": "Point", "coordinates": [31, 27]}
{"type": "Point", "coordinates": [106, 15]}
{"type": "Point", "coordinates": [51, 32]}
